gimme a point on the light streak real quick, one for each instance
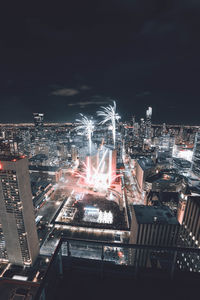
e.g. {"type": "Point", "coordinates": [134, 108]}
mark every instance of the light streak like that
{"type": "Point", "coordinates": [7, 268]}
{"type": "Point", "coordinates": [109, 114]}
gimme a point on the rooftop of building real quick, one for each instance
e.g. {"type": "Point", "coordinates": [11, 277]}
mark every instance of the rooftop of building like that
{"type": "Point", "coordinates": [146, 163]}
{"type": "Point", "coordinates": [40, 185]}
{"type": "Point", "coordinates": [193, 189]}
{"type": "Point", "coordinates": [11, 157]}
{"type": "Point", "coordinates": [120, 165]}
{"type": "Point", "coordinates": [195, 199]}
{"type": "Point", "coordinates": [154, 214]}
{"type": "Point", "coordinates": [88, 208]}
{"type": "Point", "coordinates": [182, 162]}
{"type": "Point", "coordinates": [39, 157]}
{"type": "Point", "coordinates": [165, 177]}
{"type": "Point", "coordinates": [44, 168]}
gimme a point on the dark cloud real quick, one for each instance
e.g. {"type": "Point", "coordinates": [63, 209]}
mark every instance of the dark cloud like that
{"type": "Point", "coordinates": [66, 92]}
{"type": "Point", "coordinates": [82, 104]}
{"type": "Point", "coordinates": [85, 87]}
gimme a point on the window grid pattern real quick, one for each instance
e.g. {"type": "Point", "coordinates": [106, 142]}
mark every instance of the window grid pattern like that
{"type": "Point", "coordinates": [14, 206]}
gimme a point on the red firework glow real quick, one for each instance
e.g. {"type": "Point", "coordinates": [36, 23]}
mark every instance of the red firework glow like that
{"type": "Point", "coordinates": [101, 176]}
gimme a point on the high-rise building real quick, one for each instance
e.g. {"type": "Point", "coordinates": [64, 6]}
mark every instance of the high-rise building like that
{"type": "Point", "coordinates": [74, 152]}
{"type": "Point", "coordinates": [191, 222]}
{"type": "Point", "coordinates": [190, 234]}
{"type": "Point", "coordinates": [196, 155]}
{"type": "Point", "coordinates": [142, 128]}
{"type": "Point", "coordinates": [5, 148]}
{"type": "Point", "coordinates": [39, 123]}
{"type": "Point", "coordinates": [148, 122]}
{"type": "Point", "coordinates": [181, 208]}
{"type": "Point", "coordinates": [38, 120]}
{"type": "Point", "coordinates": [151, 225]}
{"type": "Point", "coordinates": [164, 129]}
{"type": "Point", "coordinates": [164, 145]}
{"type": "Point", "coordinates": [18, 236]}
{"type": "Point", "coordinates": [144, 167]}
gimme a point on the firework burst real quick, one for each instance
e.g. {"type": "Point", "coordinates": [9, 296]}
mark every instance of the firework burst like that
{"type": "Point", "coordinates": [109, 115]}
{"type": "Point", "coordinates": [86, 126]}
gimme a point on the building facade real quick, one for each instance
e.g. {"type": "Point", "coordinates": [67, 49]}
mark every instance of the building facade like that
{"type": "Point", "coordinates": [191, 221]}
{"type": "Point", "coordinates": [18, 236]}
{"type": "Point", "coordinates": [155, 226]}
{"type": "Point", "coordinates": [196, 155]}
{"type": "Point", "coordinates": [190, 234]}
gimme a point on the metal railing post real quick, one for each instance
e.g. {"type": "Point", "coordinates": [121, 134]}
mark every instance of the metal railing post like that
{"type": "Point", "coordinates": [102, 261]}
{"type": "Point", "coordinates": [102, 252]}
{"type": "Point", "coordinates": [173, 265]}
{"type": "Point", "coordinates": [43, 294]}
{"type": "Point", "coordinates": [60, 262]}
{"type": "Point", "coordinates": [68, 249]}
{"type": "Point", "coordinates": [135, 263]}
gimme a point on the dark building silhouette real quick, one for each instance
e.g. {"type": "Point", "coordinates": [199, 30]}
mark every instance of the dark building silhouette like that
{"type": "Point", "coordinates": [155, 226]}
{"type": "Point", "coordinates": [190, 234]}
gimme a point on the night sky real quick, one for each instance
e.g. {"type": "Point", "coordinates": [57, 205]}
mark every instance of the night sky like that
{"type": "Point", "coordinates": [62, 60]}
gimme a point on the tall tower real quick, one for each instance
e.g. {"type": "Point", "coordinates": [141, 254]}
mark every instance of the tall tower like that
{"type": "Point", "coordinates": [190, 236]}
{"type": "Point", "coordinates": [196, 155]}
{"type": "Point", "coordinates": [148, 122]}
{"type": "Point", "coordinates": [38, 120]}
{"type": "Point", "coordinates": [39, 123]}
{"type": "Point", "coordinates": [18, 236]}
{"type": "Point", "coordinates": [142, 131]}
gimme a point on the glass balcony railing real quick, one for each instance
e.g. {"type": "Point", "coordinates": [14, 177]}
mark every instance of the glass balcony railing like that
{"type": "Point", "coordinates": [105, 257]}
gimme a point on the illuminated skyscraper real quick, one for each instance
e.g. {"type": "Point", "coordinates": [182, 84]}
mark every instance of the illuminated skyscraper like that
{"type": "Point", "coordinates": [18, 235]}
{"type": "Point", "coordinates": [38, 120]}
{"type": "Point", "coordinates": [191, 222]}
{"type": "Point", "coordinates": [190, 234]}
{"type": "Point", "coordinates": [142, 132]}
{"type": "Point", "coordinates": [196, 155]}
{"type": "Point", "coordinates": [164, 145]}
{"type": "Point", "coordinates": [74, 152]}
{"type": "Point", "coordinates": [39, 123]}
{"type": "Point", "coordinates": [148, 122]}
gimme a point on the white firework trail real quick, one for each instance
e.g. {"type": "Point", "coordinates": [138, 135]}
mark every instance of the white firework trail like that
{"type": "Point", "coordinates": [86, 126]}
{"type": "Point", "coordinates": [109, 114]}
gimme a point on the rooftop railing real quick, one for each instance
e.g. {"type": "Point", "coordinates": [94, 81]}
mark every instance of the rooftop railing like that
{"type": "Point", "coordinates": [117, 258]}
